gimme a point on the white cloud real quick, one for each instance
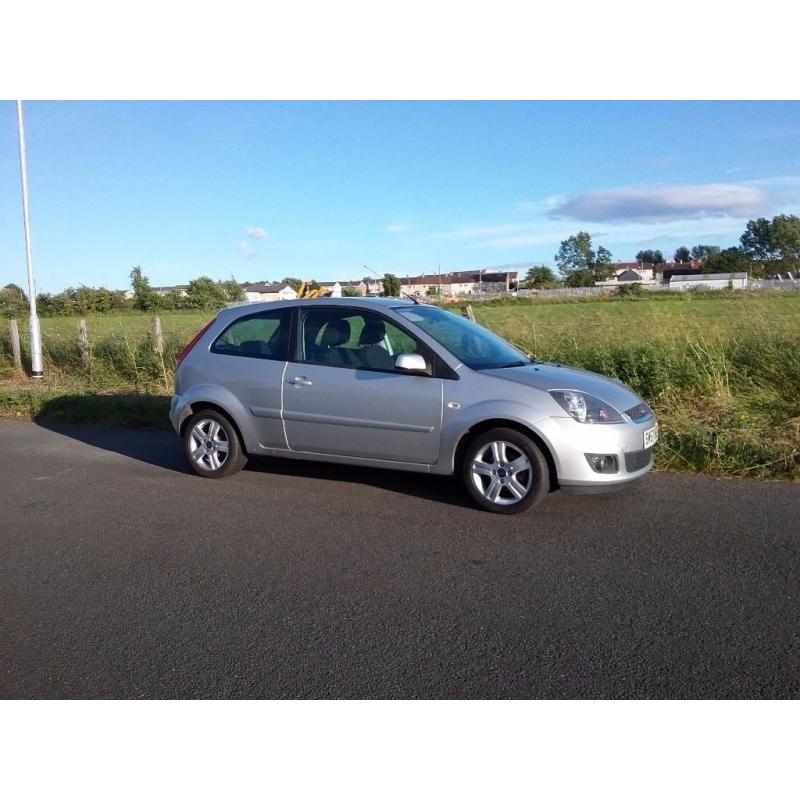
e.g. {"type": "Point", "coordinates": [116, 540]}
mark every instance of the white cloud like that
{"type": "Point", "coordinates": [245, 249]}
{"type": "Point", "coordinates": [664, 203]}
{"type": "Point", "coordinates": [627, 219]}
{"type": "Point", "coordinates": [397, 227]}
{"type": "Point", "coordinates": [255, 232]}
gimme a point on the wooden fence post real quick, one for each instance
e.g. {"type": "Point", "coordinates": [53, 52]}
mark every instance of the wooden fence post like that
{"type": "Point", "coordinates": [468, 313]}
{"type": "Point", "coordinates": [83, 338]}
{"type": "Point", "coordinates": [15, 346]}
{"type": "Point", "coordinates": [158, 339]}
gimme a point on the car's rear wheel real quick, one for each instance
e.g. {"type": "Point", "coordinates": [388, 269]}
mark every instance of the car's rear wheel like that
{"type": "Point", "coordinates": [505, 472]}
{"type": "Point", "coordinates": [212, 445]}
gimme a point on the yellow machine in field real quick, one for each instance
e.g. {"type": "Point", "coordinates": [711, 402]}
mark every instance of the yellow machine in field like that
{"type": "Point", "coordinates": [305, 292]}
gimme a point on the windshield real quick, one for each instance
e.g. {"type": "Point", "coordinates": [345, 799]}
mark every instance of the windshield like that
{"type": "Point", "coordinates": [467, 341]}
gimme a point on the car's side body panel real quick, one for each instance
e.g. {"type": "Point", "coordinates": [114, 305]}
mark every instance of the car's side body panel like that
{"type": "Point", "coordinates": [361, 413]}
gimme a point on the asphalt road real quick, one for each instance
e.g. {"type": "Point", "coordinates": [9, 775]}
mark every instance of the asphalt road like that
{"type": "Point", "coordinates": [121, 575]}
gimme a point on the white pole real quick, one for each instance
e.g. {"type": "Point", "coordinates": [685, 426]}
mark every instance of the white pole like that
{"type": "Point", "coordinates": [35, 331]}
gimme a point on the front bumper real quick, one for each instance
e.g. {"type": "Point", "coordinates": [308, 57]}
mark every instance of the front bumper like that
{"type": "Point", "coordinates": [569, 441]}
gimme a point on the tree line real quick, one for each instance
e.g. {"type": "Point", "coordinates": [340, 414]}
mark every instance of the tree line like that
{"type": "Point", "coordinates": [201, 294]}
{"type": "Point", "coordinates": [766, 248]}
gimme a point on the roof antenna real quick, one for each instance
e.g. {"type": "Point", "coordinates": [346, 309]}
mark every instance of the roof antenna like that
{"type": "Point", "coordinates": [380, 277]}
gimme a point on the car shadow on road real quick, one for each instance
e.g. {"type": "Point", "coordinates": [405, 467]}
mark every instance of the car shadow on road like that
{"type": "Point", "coordinates": [158, 448]}
{"type": "Point", "coordinates": [440, 488]}
{"type": "Point", "coordinates": [165, 450]}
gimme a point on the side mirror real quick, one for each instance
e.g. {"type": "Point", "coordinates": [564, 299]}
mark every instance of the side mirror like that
{"type": "Point", "coordinates": [410, 362]}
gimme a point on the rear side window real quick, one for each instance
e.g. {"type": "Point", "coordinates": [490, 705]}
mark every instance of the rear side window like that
{"type": "Point", "coordinates": [262, 335]}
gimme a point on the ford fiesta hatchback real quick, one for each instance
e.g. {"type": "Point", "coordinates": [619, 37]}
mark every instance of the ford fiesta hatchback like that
{"type": "Point", "coordinates": [396, 384]}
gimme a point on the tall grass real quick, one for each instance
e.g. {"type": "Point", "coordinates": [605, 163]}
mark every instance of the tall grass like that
{"type": "Point", "coordinates": [120, 360]}
{"type": "Point", "coordinates": [727, 396]}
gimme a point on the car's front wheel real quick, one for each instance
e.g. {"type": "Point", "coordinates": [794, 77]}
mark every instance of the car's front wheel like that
{"type": "Point", "coordinates": [212, 445]}
{"type": "Point", "coordinates": [505, 472]}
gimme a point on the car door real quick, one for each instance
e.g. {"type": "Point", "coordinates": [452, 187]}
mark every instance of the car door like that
{"type": "Point", "coordinates": [248, 359]}
{"type": "Point", "coordinates": [344, 396]}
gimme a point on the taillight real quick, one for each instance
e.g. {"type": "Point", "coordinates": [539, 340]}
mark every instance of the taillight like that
{"type": "Point", "coordinates": [186, 350]}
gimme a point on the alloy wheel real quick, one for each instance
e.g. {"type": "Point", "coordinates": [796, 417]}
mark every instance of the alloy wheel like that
{"type": "Point", "coordinates": [502, 473]}
{"type": "Point", "coordinates": [208, 445]}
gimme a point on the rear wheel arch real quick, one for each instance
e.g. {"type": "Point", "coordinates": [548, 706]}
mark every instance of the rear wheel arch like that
{"type": "Point", "coordinates": [205, 405]}
{"type": "Point", "coordinates": [499, 422]}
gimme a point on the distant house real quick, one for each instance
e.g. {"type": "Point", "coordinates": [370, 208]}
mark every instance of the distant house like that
{"type": "Point", "coordinates": [623, 267]}
{"type": "Point", "coordinates": [182, 290]}
{"type": "Point", "coordinates": [267, 292]}
{"type": "Point", "coordinates": [331, 288]}
{"type": "Point", "coordinates": [466, 282]}
{"type": "Point", "coordinates": [629, 275]}
{"type": "Point", "coordinates": [656, 272]}
{"type": "Point", "coordinates": [373, 287]}
{"type": "Point", "coordinates": [715, 280]}
{"type": "Point", "coordinates": [359, 286]}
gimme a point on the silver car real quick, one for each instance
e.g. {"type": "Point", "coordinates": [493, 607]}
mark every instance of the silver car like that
{"type": "Point", "coordinates": [401, 385]}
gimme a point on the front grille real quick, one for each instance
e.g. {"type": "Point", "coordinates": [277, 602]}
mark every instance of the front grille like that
{"type": "Point", "coordinates": [638, 460]}
{"type": "Point", "coordinates": [639, 412]}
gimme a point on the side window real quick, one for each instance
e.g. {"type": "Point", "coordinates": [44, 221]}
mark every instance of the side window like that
{"type": "Point", "coordinates": [263, 335]}
{"type": "Point", "coordinates": [357, 339]}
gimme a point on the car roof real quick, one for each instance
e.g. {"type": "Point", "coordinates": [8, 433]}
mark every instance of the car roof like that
{"type": "Point", "coordinates": [351, 302]}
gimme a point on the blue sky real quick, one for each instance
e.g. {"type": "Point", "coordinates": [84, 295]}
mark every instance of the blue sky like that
{"type": "Point", "coordinates": [266, 190]}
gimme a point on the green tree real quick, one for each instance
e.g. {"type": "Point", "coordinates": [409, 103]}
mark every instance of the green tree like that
{"type": "Point", "coordinates": [54, 305]}
{"type": "Point", "coordinates": [603, 265]}
{"type": "Point", "coordinates": [350, 291]}
{"type": "Point", "coordinates": [757, 240]}
{"type": "Point", "coordinates": [786, 237]}
{"type": "Point", "coordinates": [682, 255]}
{"type": "Point", "coordinates": [576, 254]}
{"type": "Point", "coordinates": [295, 283]}
{"type": "Point", "coordinates": [234, 291]}
{"type": "Point", "coordinates": [700, 252]}
{"type": "Point", "coordinates": [83, 300]}
{"type": "Point", "coordinates": [772, 240]}
{"type": "Point", "coordinates": [205, 293]}
{"type": "Point", "coordinates": [732, 259]}
{"type": "Point", "coordinates": [651, 257]}
{"type": "Point", "coordinates": [391, 285]}
{"type": "Point", "coordinates": [540, 277]}
{"type": "Point", "coordinates": [580, 277]}
{"type": "Point", "coordinates": [102, 301]}
{"type": "Point", "coordinates": [173, 300]}
{"type": "Point", "coordinates": [144, 298]}
{"type": "Point", "coordinates": [13, 301]}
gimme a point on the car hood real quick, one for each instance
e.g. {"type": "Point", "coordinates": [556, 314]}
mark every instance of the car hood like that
{"type": "Point", "coordinates": [556, 376]}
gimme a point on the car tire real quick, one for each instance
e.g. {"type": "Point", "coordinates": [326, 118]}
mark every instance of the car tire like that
{"type": "Point", "coordinates": [505, 472]}
{"type": "Point", "coordinates": [212, 445]}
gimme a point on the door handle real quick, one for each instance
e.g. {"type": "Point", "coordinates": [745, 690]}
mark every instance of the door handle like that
{"type": "Point", "coordinates": [299, 381]}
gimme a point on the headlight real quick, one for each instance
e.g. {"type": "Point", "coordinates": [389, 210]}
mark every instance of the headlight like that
{"type": "Point", "coordinates": [586, 408]}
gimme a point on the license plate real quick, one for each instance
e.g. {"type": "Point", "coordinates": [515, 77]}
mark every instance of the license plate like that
{"type": "Point", "coordinates": [650, 437]}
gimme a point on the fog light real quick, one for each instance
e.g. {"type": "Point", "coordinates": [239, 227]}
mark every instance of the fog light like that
{"type": "Point", "coordinates": [602, 463]}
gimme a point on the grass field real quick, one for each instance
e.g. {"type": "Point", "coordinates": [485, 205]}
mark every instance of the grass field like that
{"type": "Point", "coordinates": [180, 324]}
{"type": "Point", "coordinates": [721, 371]}
{"type": "Point", "coordinates": [554, 325]}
